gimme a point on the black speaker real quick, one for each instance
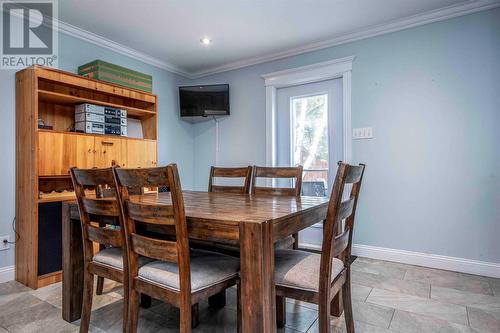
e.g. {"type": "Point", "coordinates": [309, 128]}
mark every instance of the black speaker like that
{"type": "Point", "coordinates": [49, 237]}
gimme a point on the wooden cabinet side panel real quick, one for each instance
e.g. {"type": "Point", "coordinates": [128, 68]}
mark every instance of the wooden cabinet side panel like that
{"type": "Point", "coordinates": [26, 178]}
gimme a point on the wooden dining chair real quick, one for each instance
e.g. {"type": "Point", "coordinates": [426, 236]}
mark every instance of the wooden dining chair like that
{"type": "Point", "coordinates": [98, 212]}
{"type": "Point", "coordinates": [178, 275]}
{"type": "Point", "coordinates": [292, 173]}
{"type": "Point", "coordinates": [218, 172]}
{"type": "Point", "coordinates": [317, 278]}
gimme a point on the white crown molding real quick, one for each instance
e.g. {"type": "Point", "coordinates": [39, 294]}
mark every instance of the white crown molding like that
{"type": "Point", "coordinates": [98, 40]}
{"type": "Point", "coordinates": [376, 30]}
{"type": "Point", "coordinates": [462, 265]}
{"type": "Point", "coordinates": [311, 73]}
{"type": "Point", "coordinates": [7, 273]}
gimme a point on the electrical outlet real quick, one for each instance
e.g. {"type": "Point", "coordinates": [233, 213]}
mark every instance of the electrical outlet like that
{"type": "Point", "coordinates": [4, 243]}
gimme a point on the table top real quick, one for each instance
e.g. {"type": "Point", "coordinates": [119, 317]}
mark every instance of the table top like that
{"type": "Point", "coordinates": [233, 208]}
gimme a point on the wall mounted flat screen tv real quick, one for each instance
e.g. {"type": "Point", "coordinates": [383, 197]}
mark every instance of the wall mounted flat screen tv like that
{"type": "Point", "coordinates": [198, 103]}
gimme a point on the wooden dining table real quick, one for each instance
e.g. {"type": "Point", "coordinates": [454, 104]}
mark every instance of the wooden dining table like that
{"type": "Point", "coordinates": [255, 222]}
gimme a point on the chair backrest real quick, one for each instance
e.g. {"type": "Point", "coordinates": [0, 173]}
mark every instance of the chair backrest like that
{"type": "Point", "coordinates": [217, 172]}
{"type": "Point", "coordinates": [294, 173]}
{"type": "Point", "coordinates": [100, 206]}
{"type": "Point", "coordinates": [169, 214]}
{"type": "Point", "coordinates": [337, 242]}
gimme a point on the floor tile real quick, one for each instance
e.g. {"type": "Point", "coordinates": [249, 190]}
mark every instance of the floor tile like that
{"type": "Point", "coordinates": [383, 268]}
{"type": "Point", "coordinates": [10, 290]}
{"type": "Point", "coordinates": [480, 301]}
{"type": "Point", "coordinates": [407, 322]}
{"type": "Point", "coordinates": [484, 320]}
{"type": "Point", "coordinates": [300, 318]}
{"type": "Point", "coordinates": [495, 285]}
{"type": "Point", "coordinates": [360, 292]}
{"type": "Point", "coordinates": [372, 314]}
{"type": "Point", "coordinates": [34, 314]}
{"type": "Point", "coordinates": [339, 327]}
{"type": "Point", "coordinates": [223, 320]}
{"type": "Point", "coordinates": [415, 288]}
{"type": "Point", "coordinates": [448, 279]}
{"type": "Point", "coordinates": [451, 312]}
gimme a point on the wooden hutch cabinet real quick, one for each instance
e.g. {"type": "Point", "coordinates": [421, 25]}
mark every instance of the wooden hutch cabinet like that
{"type": "Point", "coordinates": [43, 157]}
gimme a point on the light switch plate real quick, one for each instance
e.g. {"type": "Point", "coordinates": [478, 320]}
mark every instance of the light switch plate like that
{"type": "Point", "coordinates": [4, 243]}
{"type": "Point", "coordinates": [362, 133]}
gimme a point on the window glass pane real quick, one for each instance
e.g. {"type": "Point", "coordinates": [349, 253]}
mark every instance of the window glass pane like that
{"type": "Point", "coordinates": [310, 141]}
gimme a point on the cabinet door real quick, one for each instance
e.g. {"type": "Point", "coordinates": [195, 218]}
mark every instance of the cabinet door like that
{"type": "Point", "coordinates": [57, 152]}
{"type": "Point", "coordinates": [141, 154]}
{"type": "Point", "coordinates": [110, 151]}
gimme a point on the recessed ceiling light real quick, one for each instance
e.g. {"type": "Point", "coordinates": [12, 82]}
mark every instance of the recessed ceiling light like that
{"type": "Point", "coordinates": [205, 41]}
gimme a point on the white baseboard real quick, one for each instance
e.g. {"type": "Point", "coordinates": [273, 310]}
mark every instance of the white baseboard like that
{"type": "Point", "coordinates": [7, 273]}
{"type": "Point", "coordinates": [462, 265]}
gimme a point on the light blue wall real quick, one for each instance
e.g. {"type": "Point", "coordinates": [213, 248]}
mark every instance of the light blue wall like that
{"type": "Point", "coordinates": [175, 137]}
{"type": "Point", "coordinates": [432, 96]}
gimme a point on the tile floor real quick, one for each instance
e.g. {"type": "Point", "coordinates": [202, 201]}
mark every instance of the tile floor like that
{"type": "Point", "coordinates": [387, 297]}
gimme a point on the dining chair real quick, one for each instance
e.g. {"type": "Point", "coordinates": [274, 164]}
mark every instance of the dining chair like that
{"type": "Point", "coordinates": [178, 275]}
{"type": "Point", "coordinates": [219, 172]}
{"type": "Point", "coordinates": [99, 216]}
{"type": "Point", "coordinates": [317, 278]}
{"type": "Point", "coordinates": [291, 173]}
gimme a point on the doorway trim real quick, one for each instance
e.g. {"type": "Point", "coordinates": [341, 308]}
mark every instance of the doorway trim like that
{"type": "Point", "coordinates": [327, 70]}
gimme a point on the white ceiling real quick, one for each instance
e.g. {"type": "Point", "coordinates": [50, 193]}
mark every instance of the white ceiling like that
{"type": "Point", "coordinates": [243, 31]}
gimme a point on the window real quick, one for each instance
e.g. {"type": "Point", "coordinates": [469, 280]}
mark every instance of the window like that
{"type": "Point", "coordinates": [309, 115]}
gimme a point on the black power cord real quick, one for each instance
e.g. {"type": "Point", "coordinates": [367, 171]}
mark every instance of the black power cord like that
{"type": "Point", "coordinates": [15, 232]}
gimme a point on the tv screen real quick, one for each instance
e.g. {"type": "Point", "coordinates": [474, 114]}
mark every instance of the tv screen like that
{"type": "Point", "coordinates": [204, 101]}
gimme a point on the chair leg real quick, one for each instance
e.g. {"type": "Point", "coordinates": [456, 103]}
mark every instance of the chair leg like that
{"type": "Point", "coordinates": [324, 316]}
{"type": "Point", "coordinates": [185, 318]}
{"type": "Point", "coordinates": [195, 315]}
{"type": "Point", "coordinates": [133, 311]}
{"type": "Point", "coordinates": [280, 311]}
{"type": "Point", "coordinates": [238, 305]}
{"type": "Point", "coordinates": [296, 241]}
{"type": "Point", "coordinates": [100, 285]}
{"type": "Point", "coordinates": [88, 291]}
{"type": "Point", "coordinates": [346, 299]}
{"type": "Point", "coordinates": [145, 301]}
{"type": "Point", "coordinates": [217, 301]}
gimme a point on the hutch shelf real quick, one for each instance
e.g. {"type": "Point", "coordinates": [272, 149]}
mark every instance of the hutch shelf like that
{"type": "Point", "coordinates": [43, 157]}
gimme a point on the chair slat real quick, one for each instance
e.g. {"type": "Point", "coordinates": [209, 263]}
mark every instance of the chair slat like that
{"type": "Point", "coordinates": [104, 206]}
{"type": "Point", "coordinates": [143, 177]}
{"type": "Point", "coordinates": [231, 172]}
{"type": "Point", "coordinates": [105, 236]}
{"type": "Point", "coordinates": [94, 177]}
{"type": "Point", "coordinates": [155, 214]}
{"type": "Point", "coordinates": [354, 173]}
{"type": "Point", "coordinates": [341, 242]}
{"type": "Point", "coordinates": [278, 172]}
{"type": "Point", "coordinates": [274, 190]}
{"type": "Point", "coordinates": [154, 248]}
{"type": "Point", "coordinates": [346, 209]}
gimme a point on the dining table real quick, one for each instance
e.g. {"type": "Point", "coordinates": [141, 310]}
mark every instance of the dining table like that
{"type": "Point", "coordinates": [254, 222]}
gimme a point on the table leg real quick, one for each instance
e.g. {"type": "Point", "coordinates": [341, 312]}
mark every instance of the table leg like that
{"type": "Point", "coordinates": [72, 284]}
{"type": "Point", "coordinates": [258, 309]}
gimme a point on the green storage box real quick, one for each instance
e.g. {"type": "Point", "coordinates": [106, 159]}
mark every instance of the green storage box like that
{"type": "Point", "coordinates": [101, 70]}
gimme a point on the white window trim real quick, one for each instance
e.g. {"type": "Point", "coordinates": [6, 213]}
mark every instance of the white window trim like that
{"type": "Point", "coordinates": [333, 69]}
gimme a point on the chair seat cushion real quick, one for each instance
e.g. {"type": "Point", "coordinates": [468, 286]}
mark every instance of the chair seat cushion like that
{"type": "Point", "coordinates": [207, 269]}
{"type": "Point", "coordinates": [300, 269]}
{"type": "Point", "coordinates": [113, 256]}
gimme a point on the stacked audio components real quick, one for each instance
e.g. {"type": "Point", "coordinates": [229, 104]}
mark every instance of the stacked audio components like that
{"type": "Point", "coordinates": [96, 119]}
